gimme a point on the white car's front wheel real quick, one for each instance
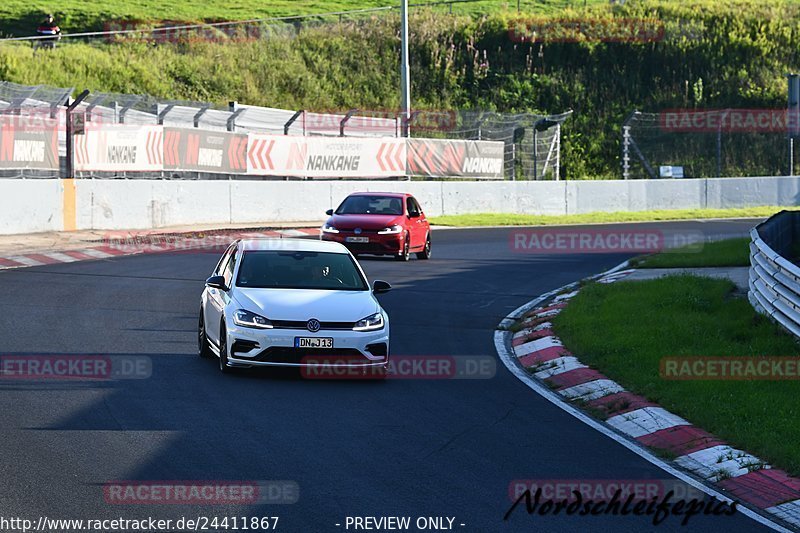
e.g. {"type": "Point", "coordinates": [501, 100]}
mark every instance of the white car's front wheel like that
{"type": "Point", "coordinates": [223, 350]}
{"type": "Point", "coordinates": [202, 340]}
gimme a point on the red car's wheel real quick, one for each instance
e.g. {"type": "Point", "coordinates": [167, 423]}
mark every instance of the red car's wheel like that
{"type": "Point", "coordinates": [426, 252]}
{"type": "Point", "coordinates": [405, 255]}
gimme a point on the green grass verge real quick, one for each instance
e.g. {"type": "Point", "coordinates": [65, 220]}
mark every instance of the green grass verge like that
{"type": "Point", "coordinates": [690, 316]}
{"type": "Point", "coordinates": [20, 16]}
{"type": "Point", "coordinates": [726, 253]}
{"type": "Point", "coordinates": [503, 219]}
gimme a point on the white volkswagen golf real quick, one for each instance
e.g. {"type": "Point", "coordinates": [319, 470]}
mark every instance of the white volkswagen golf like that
{"type": "Point", "coordinates": [292, 302]}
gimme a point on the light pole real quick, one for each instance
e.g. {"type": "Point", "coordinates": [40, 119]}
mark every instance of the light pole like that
{"type": "Point", "coordinates": [405, 80]}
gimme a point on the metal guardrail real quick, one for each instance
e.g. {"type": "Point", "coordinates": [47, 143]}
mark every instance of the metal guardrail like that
{"type": "Point", "coordinates": [774, 281]}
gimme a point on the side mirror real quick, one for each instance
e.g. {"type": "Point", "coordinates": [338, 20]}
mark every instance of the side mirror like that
{"type": "Point", "coordinates": [329, 212]}
{"type": "Point", "coordinates": [216, 282]}
{"type": "Point", "coordinates": [380, 286]}
{"type": "Point", "coordinates": [413, 214]}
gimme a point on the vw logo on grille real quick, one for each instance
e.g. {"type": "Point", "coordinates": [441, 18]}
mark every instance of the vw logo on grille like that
{"type": "Point", "coordinates": [357, 231]}
{"type": "Point", "coordinates": [313, 325]}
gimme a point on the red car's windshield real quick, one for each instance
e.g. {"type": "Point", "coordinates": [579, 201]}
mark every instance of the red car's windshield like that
{"type": "Point", "coordinates": [371, 205]}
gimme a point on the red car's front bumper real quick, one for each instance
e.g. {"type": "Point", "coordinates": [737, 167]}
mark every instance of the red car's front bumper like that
{"type": "Point", "coordinates": [379, 244]}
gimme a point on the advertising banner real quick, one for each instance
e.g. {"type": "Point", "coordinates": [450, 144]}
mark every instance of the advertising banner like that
{"type": "Point", "coordinates": [29, 142]}
{"type": "Point", "coordinates": [143, 148]}
{"type": "Point", "coordinates": [323, 157]}
{"type": "Point", "coordinates": [444, 158]}
{"type": "Point", "coordinates": [205, 151]}
{"type": "Point", "coordinates": [119, 148]}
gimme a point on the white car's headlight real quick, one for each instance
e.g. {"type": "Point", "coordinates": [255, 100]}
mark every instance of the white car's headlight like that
{"type": "Point", "coordinates": [327, 228]}
{"type": "Point", "coordinates": [391, 230]}
{"type": "Point", "coordinates": [244, 318]}
{"type": "Point", "coordinates": [370, 323]}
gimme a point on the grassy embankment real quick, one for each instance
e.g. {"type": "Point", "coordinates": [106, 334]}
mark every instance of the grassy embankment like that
{"type": "Point", "coordinates": [701, 54]}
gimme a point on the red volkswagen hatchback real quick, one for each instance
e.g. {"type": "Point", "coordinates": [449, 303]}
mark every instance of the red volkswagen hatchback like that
{"type": "Point", "coordinates": [382, 223]}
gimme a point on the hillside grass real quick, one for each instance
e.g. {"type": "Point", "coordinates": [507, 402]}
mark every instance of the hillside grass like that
{"type": "Point", "coordinates": [708, 54]}
{"type": "Point", "coordinates": [19, 17]}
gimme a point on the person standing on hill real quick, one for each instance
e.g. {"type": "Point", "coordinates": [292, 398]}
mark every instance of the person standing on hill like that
{"type": "Point", "coordinates": [50, 33]}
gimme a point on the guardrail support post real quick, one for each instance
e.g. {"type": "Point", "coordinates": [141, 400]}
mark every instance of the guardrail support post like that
{"type": "Point", "coordinates": [291, 121]}
{"type": "Point", "coordinates": [343, 122]}
{"type": "Point", "coordinates": [70, 131]}
{"type": "Point", "coordinates": [199, 114]}
{"type": "Point", "coordinates": [164, 112]}
{"type": "Point", "coordinates": [232, 119]}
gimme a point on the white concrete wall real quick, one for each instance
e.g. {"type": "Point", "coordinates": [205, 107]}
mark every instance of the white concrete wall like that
{"type": "Point", "coordinates": [30, 205]}
{"type": "Point", "coordinates": [36, 205]}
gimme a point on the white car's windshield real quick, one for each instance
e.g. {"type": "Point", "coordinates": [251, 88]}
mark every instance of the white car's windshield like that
{"type": "Point", "coordinates": [371, 205]}
{"type": "Point", "coordinates": [271, 269]}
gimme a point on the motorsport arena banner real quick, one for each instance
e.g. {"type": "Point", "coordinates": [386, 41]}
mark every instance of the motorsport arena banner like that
{"type": "Point", "coordinates": [29, 142]}
{"type": "Point", "coordinates": [455, 159]}
{"type": "Point", "coordinates": [326, 157]}
{"type": "Point", "coordinates": [205, 151]}
{"type": "Point", "coordinates": [119, 148]}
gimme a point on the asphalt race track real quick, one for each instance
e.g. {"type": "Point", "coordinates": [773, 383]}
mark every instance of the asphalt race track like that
{"type": "Point", "coordinates": [355, 448]}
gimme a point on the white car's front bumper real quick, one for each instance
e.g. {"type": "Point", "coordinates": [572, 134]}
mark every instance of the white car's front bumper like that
{"type": "Point", "coordinates": [276, 347]}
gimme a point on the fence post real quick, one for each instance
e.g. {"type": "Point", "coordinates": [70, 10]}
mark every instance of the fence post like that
{"type": "Point", "coordinates": [70, 131]}
{"type": "Point", "coordinates": [235, 112]}
{"type": "Point", "coordinates": [291, 121]}
{"type": "Point", "coordinates": [163, 113]}
{"type": "Point", "coordinates": [558, 152]}
{"type": "Point", "coordinates": [626, 146]}
{"type": "Point", "coordinates": [199, 114]}
{"type": "Point", "coordinates": [343, 122]}
{"type": "Point", "coordinates": [513, 160]}
{"type": "Point", "coordinates": [719, 143]}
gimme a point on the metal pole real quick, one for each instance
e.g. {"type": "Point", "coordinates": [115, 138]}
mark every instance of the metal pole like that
{"type": "Point", "coordinates": [558, 152]}
{"type": "Point", "coordinates": [626, 145]}
{"type": "Point", "coordinates": [792, 115]}
{"type": "Point", "coordinates": [405, 80]}
{"type": "Point", "coordinates": [719, 149]}
{"type": "Point", "coordinates": [513, 160]}
{"type": "Point", "coordinates": [70, 132]}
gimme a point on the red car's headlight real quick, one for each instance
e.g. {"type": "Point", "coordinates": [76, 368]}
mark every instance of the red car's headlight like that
{"type": "Point", "coordinates": [391, 230]}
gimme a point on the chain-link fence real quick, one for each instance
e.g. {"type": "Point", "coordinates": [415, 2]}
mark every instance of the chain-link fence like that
{"type": "Point", "coordinates": [33, 122]}
{"type": "Point", "coordinates": [532, 141]}
{"type": "Point", "coordinates": [706, 144]}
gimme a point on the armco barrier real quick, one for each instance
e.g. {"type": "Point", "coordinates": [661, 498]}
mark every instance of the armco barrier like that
{"type": "Point", "coordinates": [774, 281]}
